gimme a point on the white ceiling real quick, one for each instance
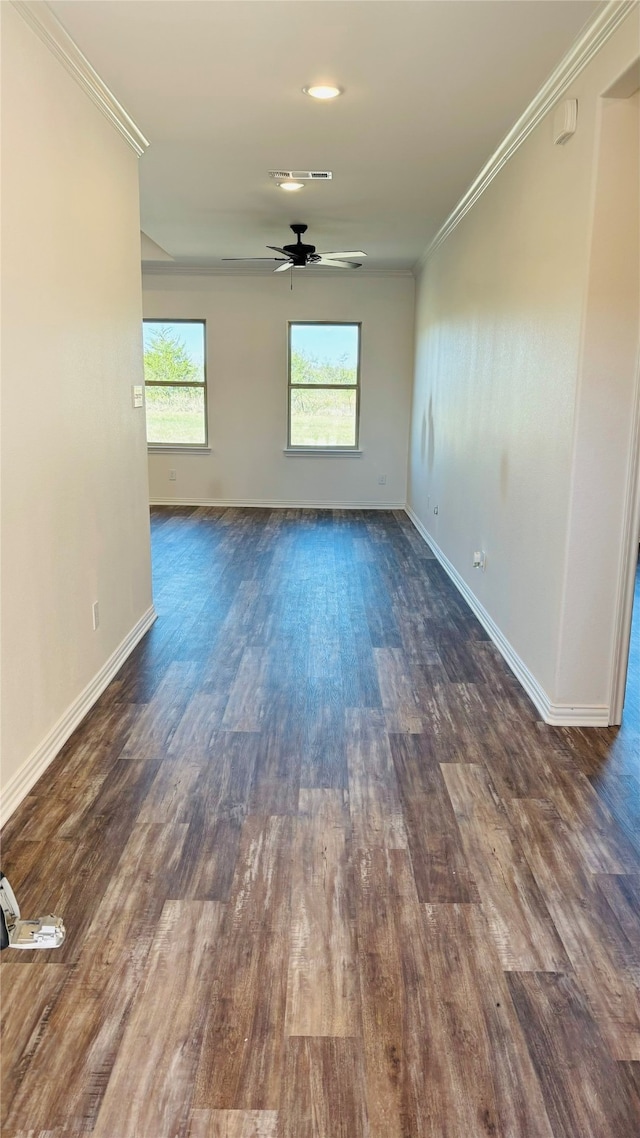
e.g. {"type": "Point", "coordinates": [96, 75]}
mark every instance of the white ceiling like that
{"type": "Point", "coordinates": [431, 88]}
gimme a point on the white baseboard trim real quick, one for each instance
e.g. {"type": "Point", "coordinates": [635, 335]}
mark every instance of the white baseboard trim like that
{"type": "Point", "coordinates": [569, 715]}
{"type": "Point", "coordinates": [555, 714]}
{"type": "Point", "coordinates": [271, 504]}
{"type": "Point", "coordinates": [25, 778]}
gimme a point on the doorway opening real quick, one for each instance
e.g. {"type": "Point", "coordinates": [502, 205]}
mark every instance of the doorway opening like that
{"type": "Point", "coordinates": [632, 693]}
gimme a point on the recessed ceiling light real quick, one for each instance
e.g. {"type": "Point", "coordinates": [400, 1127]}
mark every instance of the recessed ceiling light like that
{"type": "Point", "coordinates": [291, 185]}
{"type": "Point", "coordinates": [323, 92]}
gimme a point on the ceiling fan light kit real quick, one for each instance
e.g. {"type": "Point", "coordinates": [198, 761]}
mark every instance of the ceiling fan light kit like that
{"type": "Point", "coordinates": [322, 91]}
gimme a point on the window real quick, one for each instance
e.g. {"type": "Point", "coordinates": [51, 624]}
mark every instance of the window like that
{"type": "Point", "coordinates": [324, 385]}
{"type": "Point", "coordinates": [175, 382]}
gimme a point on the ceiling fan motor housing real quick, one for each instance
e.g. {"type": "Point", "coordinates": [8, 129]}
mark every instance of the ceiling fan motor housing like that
{"type": "Point", "coordinates": [299, 252]}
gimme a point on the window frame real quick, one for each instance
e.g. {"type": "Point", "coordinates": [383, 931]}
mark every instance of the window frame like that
{"type": "Point", "coordinates": [169, 446]}
{"type": "Point", "coordinates": [310, 448]}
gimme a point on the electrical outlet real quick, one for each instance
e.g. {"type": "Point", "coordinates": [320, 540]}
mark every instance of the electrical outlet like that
{"type": "Point", "coordinates": [479, 560]}
{"type": "Point", "coordinates": [172, 475]}
{"type": "Point", "coordinates": [382, 480]}
{"type": "Point", "coordinates": [95, 613]}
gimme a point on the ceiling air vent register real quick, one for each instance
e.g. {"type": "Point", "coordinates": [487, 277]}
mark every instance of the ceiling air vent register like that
{"type": "Point", "coordinates": [301, 175]}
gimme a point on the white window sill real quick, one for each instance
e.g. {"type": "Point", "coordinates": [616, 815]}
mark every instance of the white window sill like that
{"type": "Point", "coordinates": [159, 448]}
{"type": "Point", "coordinates": [321, 452]}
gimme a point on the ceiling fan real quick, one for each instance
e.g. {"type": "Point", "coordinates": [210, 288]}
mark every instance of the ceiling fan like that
{"type": "Point", "coordinates": [298, 256]}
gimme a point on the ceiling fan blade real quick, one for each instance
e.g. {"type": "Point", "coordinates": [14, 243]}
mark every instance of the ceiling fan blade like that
{"type": "Point", "coordinates": [251, 258]}
{"type": "Point", "coordinates": [277, 249]}
{"type": "Point", "coordinates": [345, 256]}
{"type": "Point", "coordinates": [335, 264]}
{"type": "Point", "coordinates": [283, 268]}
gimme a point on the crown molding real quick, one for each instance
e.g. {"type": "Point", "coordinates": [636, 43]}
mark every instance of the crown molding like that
{"type": "Point", "coordinates": [579, 55]}
{"type": "Point", "coordinates": [175, 269]}
{"type": "Point", "coordinates": [41, 19]}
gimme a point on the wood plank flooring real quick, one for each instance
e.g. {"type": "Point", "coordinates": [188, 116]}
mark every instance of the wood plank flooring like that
{"type": "Point", "coordinates": [324, 873]}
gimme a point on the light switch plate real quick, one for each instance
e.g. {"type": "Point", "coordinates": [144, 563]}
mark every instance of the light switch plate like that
{"type": "Point", "coordinates": [137, 394]}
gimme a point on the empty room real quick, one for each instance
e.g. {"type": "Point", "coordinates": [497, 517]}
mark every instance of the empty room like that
{"type": "Point", "coordinates": [320, 483]}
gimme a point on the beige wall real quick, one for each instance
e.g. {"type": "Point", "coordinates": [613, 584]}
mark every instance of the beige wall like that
{"type": "Point", "coordinates": [247, 319]}
{"type": "Point", "coordinates": [604, 408]}
{"type": "Point", "coordinates": [74, 481]}
{"type": "Point", "coordinates": [521, 408]}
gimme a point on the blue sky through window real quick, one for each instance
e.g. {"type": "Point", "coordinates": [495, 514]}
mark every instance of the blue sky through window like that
{"type": "Point", "coordinates": [329, 343]}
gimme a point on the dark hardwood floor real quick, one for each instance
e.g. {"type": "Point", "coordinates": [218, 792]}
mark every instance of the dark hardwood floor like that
{"type": "Point", "coordinates": [324, 873]}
